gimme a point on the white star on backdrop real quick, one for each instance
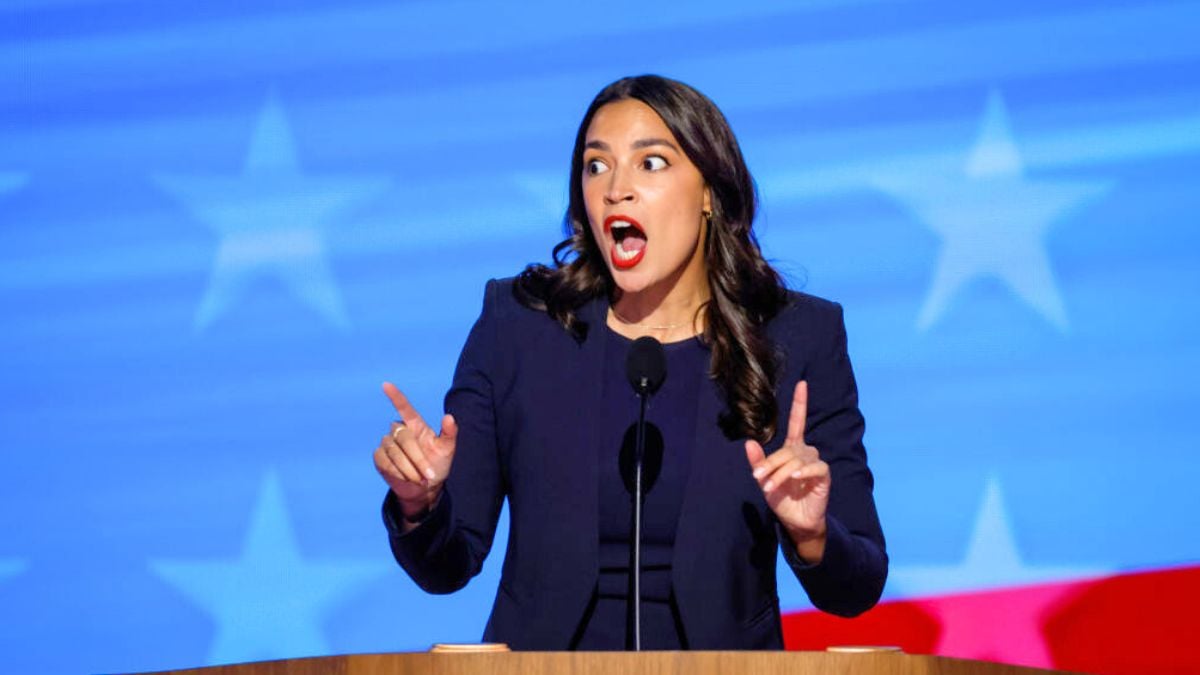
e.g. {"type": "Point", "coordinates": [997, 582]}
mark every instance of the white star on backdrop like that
{"type": "Point", "coordinates": [269, 221]}
{"type": "Point", "coordinates": [268, 601]}
{"type": "Point", "coordinates": [991, 560]}
{"type": "Point", "coordinates": [992, 220]}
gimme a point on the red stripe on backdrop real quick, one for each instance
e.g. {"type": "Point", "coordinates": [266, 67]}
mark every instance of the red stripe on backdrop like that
{"type": "Point", "coordinates": [1132, 624]}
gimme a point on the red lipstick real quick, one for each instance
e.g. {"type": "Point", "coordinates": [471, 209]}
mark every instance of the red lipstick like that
{"type": "Point", "coordinates": [628, 245]}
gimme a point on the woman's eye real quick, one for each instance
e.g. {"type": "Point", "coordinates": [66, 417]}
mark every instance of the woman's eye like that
{"type": "Point", "coordinates": [595, 166]}
{"type": "Point", "coordinates": [654, 163]}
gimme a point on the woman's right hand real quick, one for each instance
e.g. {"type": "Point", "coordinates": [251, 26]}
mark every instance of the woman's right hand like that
{"type": "Point", "coordinates": [413, 460]}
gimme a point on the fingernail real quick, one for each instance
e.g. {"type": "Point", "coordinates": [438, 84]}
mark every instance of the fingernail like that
{"type": "Point", "coordinates": [767, 487]}
{"type": "Point", "coordinates": [795, 474]}
{"type": "Point", "coordinates": [758, 473]}
{"type": "Point", "coordinates": [430, 474]}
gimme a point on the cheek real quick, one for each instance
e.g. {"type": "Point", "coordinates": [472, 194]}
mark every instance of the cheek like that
{"type": "Point", "coordinates": [597, 234]}
{"type": "Point", "coordinates": [683, 223]}
{"type": "Point", "coordinates": [593, 202]}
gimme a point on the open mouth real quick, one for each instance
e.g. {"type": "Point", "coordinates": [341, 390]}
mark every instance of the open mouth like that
{"type": "Point", "coordinates": [629, 241]}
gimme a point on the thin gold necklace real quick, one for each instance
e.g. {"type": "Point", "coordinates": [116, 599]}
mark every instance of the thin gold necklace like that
{"type": "Point", "coordinates": [627, 322]}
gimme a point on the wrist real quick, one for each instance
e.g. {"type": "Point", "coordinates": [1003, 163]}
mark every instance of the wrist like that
{"type": "Point", "coordinates": [809, 543]}
{"type": "Point", "coordinates": [417, 509]}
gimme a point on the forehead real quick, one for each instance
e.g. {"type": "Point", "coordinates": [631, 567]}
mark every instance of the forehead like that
{"type": "Point", "coordinates": [629, 120]}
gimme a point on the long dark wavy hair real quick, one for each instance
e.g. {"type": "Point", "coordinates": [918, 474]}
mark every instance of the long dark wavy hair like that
{"type": "Point", "coordinates": [746, 292]}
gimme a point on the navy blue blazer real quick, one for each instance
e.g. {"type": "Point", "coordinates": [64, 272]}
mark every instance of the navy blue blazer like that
{"type": "Point", "coordinates": [523, 395]}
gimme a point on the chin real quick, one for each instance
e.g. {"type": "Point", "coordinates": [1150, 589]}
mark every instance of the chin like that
{"type": "Point", "coordinates": [630, 281]}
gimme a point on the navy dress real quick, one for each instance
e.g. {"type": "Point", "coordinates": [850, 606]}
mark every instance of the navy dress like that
{"type": "Point", "coordinates": [671, 423]}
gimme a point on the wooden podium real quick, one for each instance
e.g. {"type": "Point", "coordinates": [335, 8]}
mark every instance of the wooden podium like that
{"type": "Point", "coordinates": [604, 663]}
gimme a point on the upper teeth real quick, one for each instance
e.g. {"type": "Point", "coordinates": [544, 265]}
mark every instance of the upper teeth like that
{"type": "Point", "coordinates": [619, 224]}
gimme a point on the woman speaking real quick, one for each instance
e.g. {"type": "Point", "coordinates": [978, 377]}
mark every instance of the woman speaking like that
{"type": "Point", "coordinates": [753, 441]}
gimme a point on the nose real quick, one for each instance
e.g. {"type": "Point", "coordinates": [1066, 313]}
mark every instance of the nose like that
{"type": "Point", "coordinates": [620, 189]}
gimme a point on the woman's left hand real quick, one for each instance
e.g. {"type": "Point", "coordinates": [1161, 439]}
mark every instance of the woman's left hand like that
{"type": "Point", "coordinates": [795, 482]}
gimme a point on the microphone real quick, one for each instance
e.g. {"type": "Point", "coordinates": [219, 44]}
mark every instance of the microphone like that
{"type": "Point", "coordinates": [646, 368]}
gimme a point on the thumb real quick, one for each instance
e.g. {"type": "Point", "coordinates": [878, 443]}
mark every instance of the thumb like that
{"type": "Point", "coordinates": [448, 435]}
{"type": "Point", "coordinates": [754, 452]}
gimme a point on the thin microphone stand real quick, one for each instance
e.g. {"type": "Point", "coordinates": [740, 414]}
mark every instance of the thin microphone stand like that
{"type": "Point", "coordinates": [639, 449]}
{"type": "Point", "coordinates": [646, 368]}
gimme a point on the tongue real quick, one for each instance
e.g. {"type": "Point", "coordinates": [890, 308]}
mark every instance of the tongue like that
{"type": "Point", "coordinates": [633, 243]}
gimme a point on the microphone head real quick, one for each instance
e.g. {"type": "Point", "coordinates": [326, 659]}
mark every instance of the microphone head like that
{"type": "Point", "coordinates": [646, 366]}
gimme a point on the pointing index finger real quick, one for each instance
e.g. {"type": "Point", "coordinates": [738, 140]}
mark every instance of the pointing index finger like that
{"type": "Point", "coordinates": [799, 413]}
{"type": "Point", "coordinates": [408, 414]}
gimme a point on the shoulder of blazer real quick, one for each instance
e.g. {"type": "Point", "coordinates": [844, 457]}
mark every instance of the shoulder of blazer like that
{"type": "Point", "coordinates": [501, 303]}
{"type": "Point", "coordinates": [806, 314]}
{"type": "Point", "coordinates": [501, 299]}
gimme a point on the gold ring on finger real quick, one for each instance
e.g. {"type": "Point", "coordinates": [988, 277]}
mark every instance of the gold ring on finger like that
{"type": "Point", "coordinates": [399, 427]}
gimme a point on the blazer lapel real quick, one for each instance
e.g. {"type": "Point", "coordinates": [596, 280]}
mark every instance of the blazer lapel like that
{"type": "Point", "coordinates": [576, 543]}
{"type": "Point", "coordinates": [690, 565]}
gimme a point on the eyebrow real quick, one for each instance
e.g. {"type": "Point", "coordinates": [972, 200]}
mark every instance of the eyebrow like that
{"type": "Point", "coordinates": [637, 145]}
